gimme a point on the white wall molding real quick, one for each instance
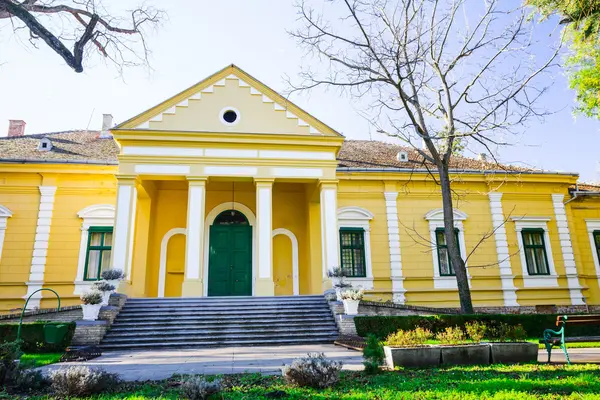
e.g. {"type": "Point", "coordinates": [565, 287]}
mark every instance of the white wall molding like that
{"type": "Point", "coordinates": [294, 241]}
{"type": "Point", "coordinates": [357, 217]}
{"type": "Point", "coordinates": [40, 246]}
{"type": "Point", "coordinates": [231, 171]}
{"type": "Point", "coordinates": [593, 225]}
{"type": "Point", "coordinates": [95, 215]}
{"type": "Point", "coordinates": [162, 269]}
{"type": "Point", "coordinates": [162, 151]}
{"type": "Point", "coordinates": [5, 214]}
{"type": "Point", "coordinates": [533, 281]}
{"type": "Point", "coordinates": [391, 209]}
{"type": "Point", "coordinates": [162, 169]}
{"type": "Point", "coordinates": [509, 290]}
{"type": "Point", "coordinates": [436, 220]}
{"type": "Point", "coordinates": [566, 247]}
{"type": "Point", "coordinates": [210, 218]}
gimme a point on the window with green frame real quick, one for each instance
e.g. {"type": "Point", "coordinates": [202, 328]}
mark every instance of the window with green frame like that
{"type": "Point", "coordinates": [597, 242]}
{"type": "Point", "coordinates": [352, 251]}
{"type": "Point", "coordinates": [444, 263]}
{"type": "Point", "coordinates": [534, 247]}
{"type": "Point", "coordinates": [98, 252]}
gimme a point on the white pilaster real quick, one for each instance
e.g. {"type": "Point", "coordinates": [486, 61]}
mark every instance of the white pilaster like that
{"type": "Point", "coordinates": [567, 250]}
{"type": "Point", "coordinates": [124, 226]}
{"type": "Point", "coordinates": [264, 227]}
{"type": "Point", "coordinates": [192, 285]}
{"type": "Point", "coordinates": [391, 208]}
{"type": "Point", "coordinates": [40, 246]}
{"type": "Point", "coordinates": [329, 227]}
{"type": "Point", "coordinates": [506, 276]}
{"type": "Point", "coordinates": [5, 213]}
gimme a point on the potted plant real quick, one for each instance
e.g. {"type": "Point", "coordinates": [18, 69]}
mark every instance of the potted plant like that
{"type": "Point", "coordinates": [408, 349]}
{"type": "Point", "coordinates": [508, 345]}
{"type": "Point", "coordinates": [351, 299]}
{"type": "Point", "coordinates": [113, 276]}
{"type": "Point", "coordinates": [91, 303]}
{"type": "Point", "coordinates": [457, 351]}
{"type": "Point", "coordinates": [105, 288]}
{"type": "Point", "coordinates": [337, 279]}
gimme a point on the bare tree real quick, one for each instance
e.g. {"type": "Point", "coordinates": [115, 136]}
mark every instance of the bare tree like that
{"type": "Point", "coordinates": [440, 75]}
{"type": "Point", "coordinates": [79, 22]}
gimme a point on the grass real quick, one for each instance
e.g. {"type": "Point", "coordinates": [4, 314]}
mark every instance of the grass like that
{"type": "Point", "coordinates": [498, 382]}
{"type": "Point", "coordinates": [37, 360]}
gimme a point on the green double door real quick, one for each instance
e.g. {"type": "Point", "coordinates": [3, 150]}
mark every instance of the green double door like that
{"type": "Point", "coordinates": [230, 260]}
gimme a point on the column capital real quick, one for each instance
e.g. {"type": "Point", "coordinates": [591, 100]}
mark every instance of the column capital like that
{"type": "Point", "coordinates": [127, 179]}
{"type": "Point", "coordinates": [264, 182]}
{"type": "Point", "coordinates": [197, 180]}
{"type": "Point", "coordinates": [390, 186]}
{"type": "Point", "coordinates": [328, 183]}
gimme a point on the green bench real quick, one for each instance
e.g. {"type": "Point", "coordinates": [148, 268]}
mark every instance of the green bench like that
{"type": "Point", "coordinates": [554, 338]}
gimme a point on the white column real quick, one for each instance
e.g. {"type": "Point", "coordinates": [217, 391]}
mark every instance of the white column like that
{"type": "Point", "coordinates": [567, 250]}
{"type": "Point", "coordinates": [124, 226]}
{"type": "Point", "coordinates": [192, 284]}
{"type": "Point", "coordinates": [391, 208]}
{"type": "Point", "coordinates": [509, 290]}
{"type": "Point", "coordinates": [40, 246]}
{"type": "Point", "coordinates": [264, 239]}
{"type": "Point", "coordinates": [329, 228]}
{"type": "Point", "coordinates": [5, 213]}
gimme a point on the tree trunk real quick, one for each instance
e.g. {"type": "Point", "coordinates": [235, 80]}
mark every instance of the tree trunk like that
{"type": "Point", "coordinates": [464, 292]}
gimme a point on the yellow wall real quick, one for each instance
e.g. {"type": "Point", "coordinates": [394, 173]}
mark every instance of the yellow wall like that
{"type": "Point", "coordinates": [579, 211]}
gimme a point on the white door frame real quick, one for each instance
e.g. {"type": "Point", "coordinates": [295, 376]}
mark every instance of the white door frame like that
{"type": "Point", "coordinates": [288, 233]}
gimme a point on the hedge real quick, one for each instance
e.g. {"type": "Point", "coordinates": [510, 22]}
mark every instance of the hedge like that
{"type": "Point", "coordinates": [32, 335]}
{"type": "Point", "coordinates": [534, 324]}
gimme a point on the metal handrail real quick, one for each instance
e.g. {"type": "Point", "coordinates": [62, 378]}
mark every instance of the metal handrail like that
{"type": "Point", "coordinates": [25, 308]}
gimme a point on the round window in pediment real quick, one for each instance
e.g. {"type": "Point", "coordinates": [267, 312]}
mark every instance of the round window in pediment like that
{"type": "Point", "coordinates": [230, 116]}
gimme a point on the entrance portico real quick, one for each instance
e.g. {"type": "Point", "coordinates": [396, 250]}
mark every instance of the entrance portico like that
{"type": "Point", "coordinates": [228, 144]}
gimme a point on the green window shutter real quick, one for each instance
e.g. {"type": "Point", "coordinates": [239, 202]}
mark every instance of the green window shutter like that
{"type": "Point", "coordinates": [99, 248]}
{"type": "Point", "coordinates": [444, 262]}
{"type": "Point", "coordinates": [597, 242]}
{"type": "Point", "coordinates": [534, 246]}
{"type": "Point", "coordinates": [352, 252]}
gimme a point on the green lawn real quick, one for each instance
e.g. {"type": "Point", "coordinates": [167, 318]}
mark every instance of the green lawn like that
{"type": "Point", "coordinates": [38, 360]}
{"type": "Point", "coordinates": [457, 383]}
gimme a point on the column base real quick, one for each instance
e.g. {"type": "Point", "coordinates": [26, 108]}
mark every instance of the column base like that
{"type": "Point", "coordinates": [192, 288]}
{"type": "Point", "coordinates": [264, 287]}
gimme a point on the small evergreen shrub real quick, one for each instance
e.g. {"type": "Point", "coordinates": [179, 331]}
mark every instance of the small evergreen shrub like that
{"type": "Point", "coordinates": [80, 381]}
{"type": "Point", "coordinates": [103, 286]}
{"type": "Point", "coordinates": [30, 380]}
{"type": "Point", "coordinates": [9, 352]}
{"type": "Point", "coordinates": [476, 331]}
{"type": "Point", "coordinates": [451, 336]}
{"type": "Point", "coordinates": [112, 274]}
{"type": "Point", "coordinates": [413, 338]}
{"type": "Point", "coordinates": [92, 297]}
{"type": "Point", "coordinates": [198, 388]}
{"type": "Point", "coordinates": [315, 371]}
{"type": "Point", "coordinates": [373, 355]}
{"type": "Point", "coordinates": [507, 333]}
{"type": "Point", "coordinates": [32, 336]}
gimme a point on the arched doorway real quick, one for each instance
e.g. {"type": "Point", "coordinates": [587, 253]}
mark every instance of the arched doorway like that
{"type": "Point", "coordinates": [230, 255]}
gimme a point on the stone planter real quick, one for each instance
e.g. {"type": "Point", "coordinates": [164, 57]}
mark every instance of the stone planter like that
{"type": "Point", "coordinates": [90, 311]}
{"type": "Point", "coordinates": [351, 306]}
{"type": "Point", "coordinates": [514, 352]}
{"type": "Point", "coordinates": [105, 297]}
{"type": "Point", "coordinates": [467, 354]}
{"type": "Point", "coordinates": [426, 356]}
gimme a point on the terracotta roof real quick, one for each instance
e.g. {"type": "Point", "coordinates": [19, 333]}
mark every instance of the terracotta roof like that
{"type": "Point", "coordinates": [80, 146]}
{"type": "Point", "coordinates": [586, 187]}
{"type": "Point", "coordinates": [374, 154]}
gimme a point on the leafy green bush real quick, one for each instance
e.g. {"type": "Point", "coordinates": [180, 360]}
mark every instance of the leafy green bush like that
{"type": "Point", "coordinates": [413, 338]}
{"type": "Point", "coordinates": [9, 353]}
{"type": "Point", "coordinates": [476, 330]}
{"type": "Point", "coordinates": [32, 336]}
{"type": "Point", "coordinates": [451, 336]}
{"type": "Point", "coordinates": [532, 324]}
{"type": "Point", "coordinates": [507, 333]}
{"type": "Point", "coordinates": [373, 355]}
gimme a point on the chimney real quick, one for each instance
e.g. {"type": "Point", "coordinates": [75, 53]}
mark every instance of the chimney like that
{"type": "Point", "coordinates": [16, 127]}
{"type": "Point", "coordinates": [107, 123]}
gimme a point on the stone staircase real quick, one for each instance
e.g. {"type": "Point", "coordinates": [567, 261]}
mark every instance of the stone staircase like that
{"type": "Point", "coordinates": [151, 323]}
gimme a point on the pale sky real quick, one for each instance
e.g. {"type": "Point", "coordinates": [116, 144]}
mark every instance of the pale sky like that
{"type": "Point", "coordinates": [203, 36]}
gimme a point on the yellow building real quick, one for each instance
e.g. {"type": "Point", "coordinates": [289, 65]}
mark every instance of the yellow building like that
{"type": "Point", "coordinates": [228, 189]}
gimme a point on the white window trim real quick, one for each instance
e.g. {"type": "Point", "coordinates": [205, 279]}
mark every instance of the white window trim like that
{"type": "Point", "coordinates": [357, 217]}
{"type": "Point", "coordinates": [530, 281]}
{"type": "Point", "coordinates": [436, 220]}
{"type": "Point", "coordinates": [5, 214]}
{"type": "Point", "coordinates": [592, 225]}
{"type": "Point", "coordinates": [224, 110]}
{"type": "Point", "coordinates": [96, 215]}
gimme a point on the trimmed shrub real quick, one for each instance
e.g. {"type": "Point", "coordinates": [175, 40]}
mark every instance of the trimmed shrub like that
{"type": "Point", "coordinates": [451, 336]}
{"type": "Point", "coordinates": [533, 324]}
{"type": "Point", "coordinates": [507, 333]}
{"type": "Point", "coordinates": [79, 381]}
{"type": "Point", "coordinates": [32, 336]}
{"type": "Point", "coordinates": [92, 297]}
{"type": "Point", "coordinates": [373, 355]}
{"type": "Point", "coordinates": [315, 371]}
{"type": "Point", "coordinates": [413, 338]}
{"type": "Point", "coordinates": [198, 388]}
{"type": "Point", "coordinates": [476, 331]}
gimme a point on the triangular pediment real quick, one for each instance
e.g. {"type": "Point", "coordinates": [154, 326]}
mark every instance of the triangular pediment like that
{"type": "Point", "coordinates": [202, 108]}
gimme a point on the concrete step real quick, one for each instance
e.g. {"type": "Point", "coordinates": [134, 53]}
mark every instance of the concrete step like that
{"type": "Point", "coordinates": [223, 325]}
{"type": "Point", "coordinates": [207, 332]}
{"type": "Point", "coordinates": [250, 314]}
{"type": "Point", "coordinates": [265, 337]}
{"type": "Point", "coordinates": [220, 313]}
{"type": "Point", "coordinates": [157, 324]}
{"type": "Point", "coordinates": [226, 307]}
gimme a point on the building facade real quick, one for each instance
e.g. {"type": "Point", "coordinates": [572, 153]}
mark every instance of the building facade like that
{"type": "Point", "coordinates": [228, 189]}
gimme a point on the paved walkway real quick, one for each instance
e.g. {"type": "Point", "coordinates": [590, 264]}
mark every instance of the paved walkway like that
{"type": "Point", "coordinates": [577, 356]}
{"type": "Point", "coordinates": [162, 364]}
